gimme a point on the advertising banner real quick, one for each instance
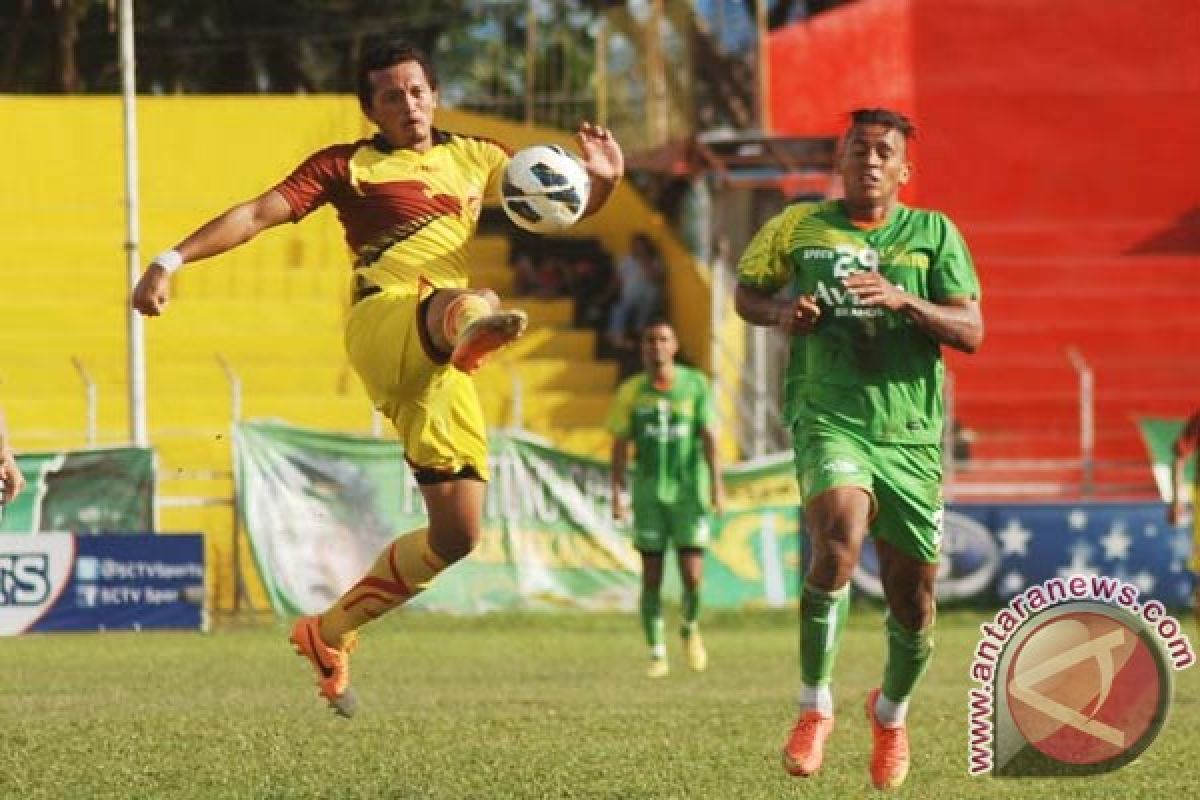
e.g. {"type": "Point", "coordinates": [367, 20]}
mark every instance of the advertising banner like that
{"type": "Point", "coordinates": [319, 507]}
{"type": "Point", "coordinates": [63, 582]}
{"type": "Point", "coordinates": [108, 490]}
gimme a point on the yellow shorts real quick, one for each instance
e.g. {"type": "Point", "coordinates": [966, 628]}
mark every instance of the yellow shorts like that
{"type": "Point", "coordinates": [433, 405]}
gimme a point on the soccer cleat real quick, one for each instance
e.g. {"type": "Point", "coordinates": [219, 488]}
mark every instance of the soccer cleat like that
{"type": "Point", "coordinates": [332, 665]}
{"type": "Point", "coordinates": [697, 656]}
{"type": "Point", "coordinates": [889, 756]}
{"type": "Point", "coordinates": [658, 668]}
{"type": "Point", "coordinates": [805, 748]}
{"type": "Point", "coordinates": [486, 335]}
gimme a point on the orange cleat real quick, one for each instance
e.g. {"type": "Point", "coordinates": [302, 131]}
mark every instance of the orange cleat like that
{"type": "Point", "coordinates": [486, 335]}
{"type": "Point", "coordinates": [889, 756]}
{"type": "Point", "coordinates": [332, 665]}
{"type": "Point", "coordinates": [805, 748]}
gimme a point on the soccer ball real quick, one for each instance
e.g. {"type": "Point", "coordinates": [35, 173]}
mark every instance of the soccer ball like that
{"type": "Point", "coordinates": [545, 189]}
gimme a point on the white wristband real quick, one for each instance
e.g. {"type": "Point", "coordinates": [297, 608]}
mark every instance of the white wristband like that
{"type": "Point", "coordinates": [170, 260]}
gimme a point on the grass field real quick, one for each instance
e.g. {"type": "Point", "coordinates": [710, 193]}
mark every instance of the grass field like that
{"type": "Point", "coordinates": [505, 706]}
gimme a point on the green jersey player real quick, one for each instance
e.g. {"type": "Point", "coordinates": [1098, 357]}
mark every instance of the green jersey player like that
{"type": "Point", "coordinates": [667, 412]}
{"type": "Point", "coordinates": [872, 290]}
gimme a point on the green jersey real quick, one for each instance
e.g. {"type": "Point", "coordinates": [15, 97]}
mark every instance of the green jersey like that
{"type": "Point", "coordinates": [867, 369]}
{"type": "Point", "coordinates": [665, 426]}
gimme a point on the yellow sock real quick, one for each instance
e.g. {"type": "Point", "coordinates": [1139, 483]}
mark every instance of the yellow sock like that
{"type": "Point", "coordinates": [461, 312]}
{"type": "Point", "coordinates": [403, 570]}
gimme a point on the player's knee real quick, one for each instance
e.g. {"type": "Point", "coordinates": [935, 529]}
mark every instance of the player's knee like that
{"type": "Point", "coordinates": [831, 567]}
{"type": "Point", "coordinates": [491, 297]}
{"type": "Point", "coordinates": [915, 610]}
{"type": "Point", "coordinates": [455, 541]}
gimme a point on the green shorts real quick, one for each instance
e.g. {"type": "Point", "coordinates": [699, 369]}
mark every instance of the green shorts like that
{"type": "Point", "coordinates": [904, 481]}
{"type": "Point", "coordinates": [657, 525]}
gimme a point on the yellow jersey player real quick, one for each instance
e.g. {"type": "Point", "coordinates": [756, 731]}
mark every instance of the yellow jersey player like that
{"type": "Point", "coordinates": [409, 199]}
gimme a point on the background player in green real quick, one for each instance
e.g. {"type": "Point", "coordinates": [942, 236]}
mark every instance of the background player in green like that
{"type": "Point", "coordinates": [872, 290]}
{"type": "Point", "coordinates": [1186, 444]}
{"type": "Point", "coordinates": [667, 412]}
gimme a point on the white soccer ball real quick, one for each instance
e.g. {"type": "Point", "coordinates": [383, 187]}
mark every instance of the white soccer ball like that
{"type": "Point", "coordinates": [545, 189]}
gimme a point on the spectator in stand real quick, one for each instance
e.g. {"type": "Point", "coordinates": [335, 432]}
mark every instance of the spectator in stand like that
{"type": "Point", "coordinates": [525, 277]}
{"type": "Point", "coordinates": [1187, 443]}
{"type": "Point", "coordinates": [593, 286]}
{"type": "Point", "coordinates": [640, 278]}
{"type": "Point", "coordinates": [539, 275]}
{"type": "Point", "coordinates": [551, 276]}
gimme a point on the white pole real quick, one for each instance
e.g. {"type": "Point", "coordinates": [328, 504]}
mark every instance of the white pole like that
{"type": "Point", "coordinates": [759, 343]}
{"type": "Point", "coordinates": [89, 388]}
{"type": "Point", "coordinates": [235, 391]}
{"type": "Point", "coordinates": [1087, 418]}
{"type": "Point", "coordinates": [136, 346]}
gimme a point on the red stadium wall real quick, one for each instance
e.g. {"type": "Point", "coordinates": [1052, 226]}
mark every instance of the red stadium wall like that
{"type": "Point", "coordinates": [857, 56]}
{"type": "Point", "coordinates": [1061, 137]}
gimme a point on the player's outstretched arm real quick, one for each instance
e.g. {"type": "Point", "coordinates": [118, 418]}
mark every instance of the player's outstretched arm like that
{"type": "Point", "coordinates": [11, 479]}
{"type": "Point", "coordinates": [604, 162]}
{"type": "Point", "coordinates": [717, 484]}
{"type": "Point", "coordinates": [620, 452]}
{"type": "Point", "coordinates": [236, 226]}
{"type": "Point", "coordinates": [795, 316]}
{"type": "Point", "coordinates": [956, 322]}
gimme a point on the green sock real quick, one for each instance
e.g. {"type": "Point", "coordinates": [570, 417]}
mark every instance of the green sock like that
{"type": "Point", "coordinates": [908, 654]}
{"type": "Point", "coordinates": [652, 618]}
{"type": "Point", "coordinates": [691, 610]}
{"type": "Point", "coordinates": [822, 618]}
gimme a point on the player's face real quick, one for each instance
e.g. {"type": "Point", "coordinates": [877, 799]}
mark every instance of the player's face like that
{"type": "Point", "coordinates": [658, 346]}
{"type": "Point", "coordinates": [402, 104]}
{"type": "Point", "coordinates": [874, 163]}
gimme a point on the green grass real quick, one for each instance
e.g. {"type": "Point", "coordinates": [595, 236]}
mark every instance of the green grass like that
{"type": "Point", "coordinates": [504, 706]}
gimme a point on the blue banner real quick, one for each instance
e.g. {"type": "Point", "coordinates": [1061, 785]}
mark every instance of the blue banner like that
{"type": "Point", "coordinates": [64, 582]}
{"type": "Point", "coordinates": [992, 552]}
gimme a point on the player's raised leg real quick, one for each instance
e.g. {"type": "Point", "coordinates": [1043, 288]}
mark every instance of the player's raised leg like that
{"type": "Point", "coordinates": [470, 325]}
{"type": "Point", "coordinates": [836, 521]}
{"type": "Point", "coordinates": [403, 570]}
{"type": "Point", "coordinates": [909, 587]}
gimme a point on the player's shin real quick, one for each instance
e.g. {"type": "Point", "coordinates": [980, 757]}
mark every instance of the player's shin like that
{"type": "Point", "coordinates": [650, 609]}
{"type": "Point", "coordinates": [822, 620]}
{"type": "Point", "coordinates": [908, 654]}
{"type": "Point", "coordinates": [404, 569]}
{"type": "Point", "coordinates": [691, 609]}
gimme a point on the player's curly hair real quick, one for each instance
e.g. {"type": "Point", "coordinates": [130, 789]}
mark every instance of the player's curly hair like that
{"type": "Point", "coordinates": [388, 54]}
{"type": "Point", "coordinates": [892, 120]}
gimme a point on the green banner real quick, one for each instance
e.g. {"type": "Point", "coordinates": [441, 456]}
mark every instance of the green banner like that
{"type": "Point", "coordinates": [319, 507]}
{"type": "Point", "coordinates": [1159, 436]}
{"type": "Point", "coordinates": [86, 491]}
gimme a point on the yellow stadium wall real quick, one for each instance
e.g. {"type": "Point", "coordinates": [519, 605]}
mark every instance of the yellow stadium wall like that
{"type": "Point", "coordinates": [62, 231]}
{"type": "Point", "coordinates": [198, 155]}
